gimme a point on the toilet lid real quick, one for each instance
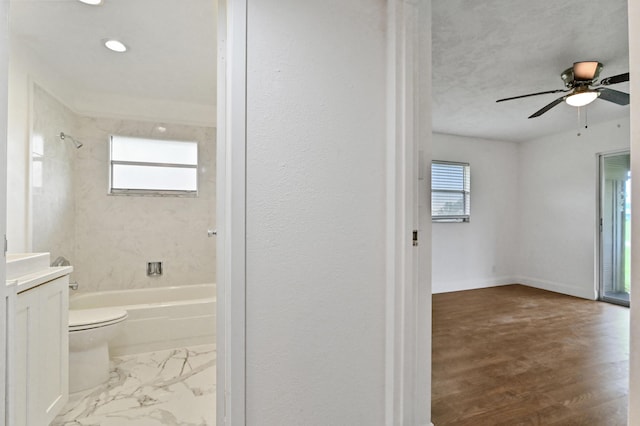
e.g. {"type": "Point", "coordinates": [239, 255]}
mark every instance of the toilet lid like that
{"type": "Point", "coordinates": [95, 317]}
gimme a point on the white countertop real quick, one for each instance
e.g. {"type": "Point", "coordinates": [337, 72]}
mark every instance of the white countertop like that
{"type": "Point", "coordinates": [34, 279]}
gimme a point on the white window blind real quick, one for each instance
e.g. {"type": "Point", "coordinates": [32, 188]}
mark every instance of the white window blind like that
{"type": "Point", "coordinates": [450, 191]}
{"type": "Point", "coordinates": [153, 167]}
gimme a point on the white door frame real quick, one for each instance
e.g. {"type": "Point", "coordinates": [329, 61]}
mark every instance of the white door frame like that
{"type": "Point", "coordinates": [408, 308]}
{"type": "Point", "coordinates": [599, 249]}
{"type": "Point", "coordinates": [634, 350]}
{"type": "Point", "coordinates": [408, 304]}
{"type": "Point", "coordinates": [5, 300]}
{"type": "Point", "coordinates": [230, 211]}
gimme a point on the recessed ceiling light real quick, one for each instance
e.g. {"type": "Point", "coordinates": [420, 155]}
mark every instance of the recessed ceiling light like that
{"type": "Point", "coordinates": [92, 2]}
{"type": "Point", "coordinates": [115, 45]}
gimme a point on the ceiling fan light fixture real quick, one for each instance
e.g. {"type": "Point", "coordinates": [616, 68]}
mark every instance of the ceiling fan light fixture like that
{"type": "Point", "coordinates": [582, 98]}
{"type": "Point", "coordinates": [587, 70]}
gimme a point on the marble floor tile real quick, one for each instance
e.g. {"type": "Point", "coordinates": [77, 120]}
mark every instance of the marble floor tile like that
{"type": "Point", "coordinates": [171, 387]}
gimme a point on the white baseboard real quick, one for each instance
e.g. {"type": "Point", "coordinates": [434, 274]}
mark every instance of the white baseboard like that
{"type": "Point", "coordinates": [557, 287]}
{"type": "Point", "coordinates": [449, 286]}
{"type": "Point", "coordinates": [584, 293]}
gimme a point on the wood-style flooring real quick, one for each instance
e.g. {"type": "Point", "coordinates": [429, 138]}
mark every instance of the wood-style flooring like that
{"type": "Point", "coordinates": [515, 355]}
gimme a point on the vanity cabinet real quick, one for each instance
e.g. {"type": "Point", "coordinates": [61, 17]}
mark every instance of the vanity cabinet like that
{"type": "Point", "coordinates": [41, 352]}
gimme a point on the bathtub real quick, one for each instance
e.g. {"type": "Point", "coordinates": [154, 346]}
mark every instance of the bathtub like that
{"type": "Point", "coordinates": [159, 318]}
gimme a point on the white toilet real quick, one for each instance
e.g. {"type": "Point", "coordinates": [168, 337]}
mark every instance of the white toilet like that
{"type": "Point", "coordinates": [89, 333]}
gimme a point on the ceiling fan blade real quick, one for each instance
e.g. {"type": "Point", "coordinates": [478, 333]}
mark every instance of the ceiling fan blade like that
{"type": "Point", "coordinates": [548, 107]}
{"type": "Point", "coordinates": [532, 94]}
{"type": "Point", "coordinates": [614, 96]}
{"type": "Point", "coordinates": [620, 78]}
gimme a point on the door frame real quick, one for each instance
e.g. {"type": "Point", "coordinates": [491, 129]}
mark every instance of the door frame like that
{"type": "Point", "coordinates": [408, 304]}
{"type": "Point", "coordinates": [6, 301]}
{"type": "Point", "coordinates": [599, 214]}
{"type": "Point", "coordinates": [231, 212]}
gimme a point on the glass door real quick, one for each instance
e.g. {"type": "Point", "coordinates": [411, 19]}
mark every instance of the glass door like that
{"type": "Point", "coordinates": [615, 228]}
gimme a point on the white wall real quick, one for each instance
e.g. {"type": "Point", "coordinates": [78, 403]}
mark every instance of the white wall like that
{"type": "Point", "coordinates": [533, 212]}
{"type": "Point", "coordinates": [315, 295]}
{"type": "Point", "coordinates": [634, 356]}
{"type": "Point", "coordinates": [480, 253]}
{"type": "Point", "coordinates": [17, 156]}
{"type": "Point", "coordinates": [558, 193]}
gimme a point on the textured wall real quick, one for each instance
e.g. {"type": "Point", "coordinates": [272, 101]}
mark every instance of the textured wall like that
{"type": "Point", "coordinates": [557, 231]}
{"type": "Point", "coordinates": [53, 190]}
{"type": "Point", "coordinates": [316, 212]}
{"type": "Point", "coordinates": [480, 253]}
{"type": "Point", "coordinates": [117, 235]}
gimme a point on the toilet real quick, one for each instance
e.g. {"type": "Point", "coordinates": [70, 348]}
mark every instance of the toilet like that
{"type": "Point", "coordinates": [89, 333]}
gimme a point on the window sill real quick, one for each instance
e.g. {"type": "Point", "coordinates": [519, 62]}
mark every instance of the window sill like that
{"type": "Point", "coordinates": [450, 220]}
{"type": "Point", "coordinates": [152, 193]}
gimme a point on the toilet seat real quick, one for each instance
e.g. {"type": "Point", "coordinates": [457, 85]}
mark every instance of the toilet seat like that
{"type": "Point", "coordinates": [86, 319]}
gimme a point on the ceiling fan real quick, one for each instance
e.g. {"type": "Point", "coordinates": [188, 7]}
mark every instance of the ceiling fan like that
{"type": "Point", "coordinates": [580, 82]}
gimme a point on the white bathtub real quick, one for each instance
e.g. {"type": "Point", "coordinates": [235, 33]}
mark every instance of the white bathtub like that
{"type": "Point", "coordinates": [159, 318]}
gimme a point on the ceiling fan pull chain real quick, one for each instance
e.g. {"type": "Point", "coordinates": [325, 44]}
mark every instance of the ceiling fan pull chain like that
{"type": "Point", "coordinates": [579, 120]}
{"type": "Point", "coordinates": [586, 117]}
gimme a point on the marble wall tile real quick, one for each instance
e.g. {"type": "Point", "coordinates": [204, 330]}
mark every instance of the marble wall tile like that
{"type": "Point", "coordinates": [53, 188]}
{"type": "Point", "coordinates": [110, 238]}
{"type": "Point", "coordinates": [117, 235]}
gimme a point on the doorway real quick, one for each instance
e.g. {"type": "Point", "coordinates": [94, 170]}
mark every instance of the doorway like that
{"type": "Point", "coordinates": [615, 228]}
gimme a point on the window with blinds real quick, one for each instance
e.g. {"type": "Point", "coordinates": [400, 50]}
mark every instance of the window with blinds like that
{"type": "Point", "coordinates": [450, 191]}
{"type": "Point", "coordinates": [153, 167]}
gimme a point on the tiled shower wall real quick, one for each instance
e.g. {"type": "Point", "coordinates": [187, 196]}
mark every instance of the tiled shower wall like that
{"type": "Point", "coordinates": [53, 196]}
{"type": "Point", "coordinates": [114, 236]}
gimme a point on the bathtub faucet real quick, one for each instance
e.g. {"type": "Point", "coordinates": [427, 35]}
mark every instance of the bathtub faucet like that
{"type": "Point", "coordinates": [61, 261]}
{"type": "Point", "coordinates": [73, 286]}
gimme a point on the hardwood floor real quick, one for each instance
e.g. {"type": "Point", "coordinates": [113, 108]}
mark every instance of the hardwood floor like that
{"type": "Point", "coordinates": [515, 355]}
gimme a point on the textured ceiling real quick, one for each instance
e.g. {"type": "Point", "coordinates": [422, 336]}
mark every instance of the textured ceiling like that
{"type": "Point", "coordinates": [492, 49]}
{"type": "Point", "coordinates": [482, 51]}
{"type": "Point", "coordinates": [172, 44]}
